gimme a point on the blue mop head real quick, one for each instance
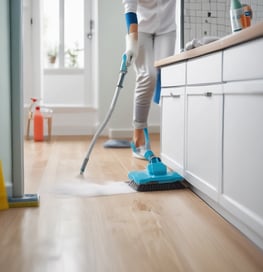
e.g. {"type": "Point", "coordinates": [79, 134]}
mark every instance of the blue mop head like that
{"type": "Point", "coordinates": [155, 176]}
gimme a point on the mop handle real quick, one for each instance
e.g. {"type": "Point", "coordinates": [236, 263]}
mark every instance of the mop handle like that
{"type": "Point", "coordinates": [123, 71]}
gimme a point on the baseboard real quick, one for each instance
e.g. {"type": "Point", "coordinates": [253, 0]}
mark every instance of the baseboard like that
{"type": "Point", "coordinates": [120, 133]}
{"type": "Point", "coordinates": [127, 133]}
{"type": "Point", "coordinates": [76, 130]}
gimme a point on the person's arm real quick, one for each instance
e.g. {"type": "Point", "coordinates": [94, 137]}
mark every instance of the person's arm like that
{"type": "Point", "coordinates": [131, 22]}
{"type": "Point", "coordinates": [132, 32]}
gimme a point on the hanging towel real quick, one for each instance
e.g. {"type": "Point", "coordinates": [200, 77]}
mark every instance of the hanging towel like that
{"type": "Point", "coordinates": [157, 91]}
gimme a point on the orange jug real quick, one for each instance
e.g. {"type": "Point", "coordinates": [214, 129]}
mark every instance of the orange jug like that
{"type": "Point", "coordinates": [38, 125]}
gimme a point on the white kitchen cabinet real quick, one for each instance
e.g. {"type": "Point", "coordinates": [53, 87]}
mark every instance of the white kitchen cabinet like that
{"type": "Point", "coordinates": [211, 129]}
{"type": "Point", "coordinates": [172, 134]}
{"type": "Point", "coordinates": [204, 138]}
{"type": "Point", "coordinates": [243, 153]}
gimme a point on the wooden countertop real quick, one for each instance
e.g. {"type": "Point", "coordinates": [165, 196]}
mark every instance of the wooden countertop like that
{"type": "Point", "coordinates": [245, 35]}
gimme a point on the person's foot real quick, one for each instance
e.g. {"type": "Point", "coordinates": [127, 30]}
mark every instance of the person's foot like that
{"type": "Point", "coordinates": [141, 143]}
{"type": "Point", "coordinates": [138, 152]}
{"type": "Point", "coordinates": [138, 137]}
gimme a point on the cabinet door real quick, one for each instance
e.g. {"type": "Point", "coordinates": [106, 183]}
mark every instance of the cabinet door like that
{"type": "Point", "coordinates": [244, 62]}
{"type": "Point", "coordinates": [172, 128]}
{"type": "Point", "coordinates": [243, 153]}
{"type": "Point", "coordinates": [204, 138]}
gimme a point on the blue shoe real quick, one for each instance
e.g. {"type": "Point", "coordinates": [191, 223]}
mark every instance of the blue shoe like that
{"type": "Point", "coordinates": [139, 152]}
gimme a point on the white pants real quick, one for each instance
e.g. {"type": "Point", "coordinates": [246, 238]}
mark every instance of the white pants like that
{"type": "Point", "coordinates": [151, 48]}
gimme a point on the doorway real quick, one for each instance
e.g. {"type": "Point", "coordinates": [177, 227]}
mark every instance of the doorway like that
{"type": "Point", "coordinates": [58, 37]}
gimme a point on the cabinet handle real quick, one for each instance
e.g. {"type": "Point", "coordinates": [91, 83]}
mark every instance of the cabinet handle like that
{"type": "Point", "coordinates": [175, 95]}
{"type": "Point", "coordinates": [208, 94]}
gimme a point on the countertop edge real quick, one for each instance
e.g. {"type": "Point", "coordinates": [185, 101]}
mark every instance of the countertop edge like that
{"type": "Point", "coordinates": [245, 35]}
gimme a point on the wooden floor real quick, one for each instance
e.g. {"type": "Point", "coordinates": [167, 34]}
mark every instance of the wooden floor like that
{"type": "Point", "coordinates": [142, 232]}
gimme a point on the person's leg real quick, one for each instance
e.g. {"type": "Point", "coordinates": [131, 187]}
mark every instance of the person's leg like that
{"type": "Point", "coordinates": [145, 82]}
{"type": "Point", "coordinates": [164, 45]}
{"type": "Point", "coordinates": [151, 48]}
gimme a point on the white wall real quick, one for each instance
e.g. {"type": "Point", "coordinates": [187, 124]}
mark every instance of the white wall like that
{"type": "Point", "coordinates": [107, 49]}
{"type": "Point", "coordinates": [111, 45]}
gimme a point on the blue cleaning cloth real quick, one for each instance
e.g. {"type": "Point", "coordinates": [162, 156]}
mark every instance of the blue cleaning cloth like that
{"type": "Point", "coordinates": [157, 91]}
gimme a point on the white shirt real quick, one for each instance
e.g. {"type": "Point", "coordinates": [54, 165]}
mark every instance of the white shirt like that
{"type": "Point", "coordinates": [154, 16]}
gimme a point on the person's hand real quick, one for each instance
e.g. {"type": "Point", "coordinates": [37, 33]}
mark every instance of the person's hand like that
{"type": "Point", "coordinates": [131, 47]}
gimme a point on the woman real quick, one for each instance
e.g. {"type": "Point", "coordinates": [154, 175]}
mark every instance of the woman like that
{"type": "Point", "coordinates": [151, 36]}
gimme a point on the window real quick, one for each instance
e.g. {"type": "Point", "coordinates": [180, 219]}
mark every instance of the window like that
{"type": "Point", "coordinates": [63, 33]}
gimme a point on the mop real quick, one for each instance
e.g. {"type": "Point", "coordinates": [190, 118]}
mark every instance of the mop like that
{"type": "Point", "coordinates": [155, 177]}
{"type": "Point", "coordinates": [123, 71]}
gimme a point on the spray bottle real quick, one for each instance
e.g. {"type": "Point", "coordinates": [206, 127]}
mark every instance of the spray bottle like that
{"type": "Point", "coordinates": [38, 125]}
{"type": "Point", "coordinates": [236, 15]}
{"type": "Point", "coordinates": [31, 107]}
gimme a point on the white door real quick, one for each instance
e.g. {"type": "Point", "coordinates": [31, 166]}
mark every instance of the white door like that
{"type": "Point", "coordinates": [58, 41]}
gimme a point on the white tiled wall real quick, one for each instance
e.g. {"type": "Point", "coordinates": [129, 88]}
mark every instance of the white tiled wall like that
{"type": "Point", "coordinates": [211, 17]}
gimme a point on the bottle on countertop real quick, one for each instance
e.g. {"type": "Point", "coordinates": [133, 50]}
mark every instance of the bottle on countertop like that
{"type": "Point", "coordinates": [38, 125]}
{"type": "Point", "coordinates": [247, 11]}
{"type": "Point", "coordinates": [236, 15]}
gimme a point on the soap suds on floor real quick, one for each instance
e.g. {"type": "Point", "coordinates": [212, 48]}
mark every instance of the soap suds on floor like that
{"type": "Point", "coordinates": [87, 189]}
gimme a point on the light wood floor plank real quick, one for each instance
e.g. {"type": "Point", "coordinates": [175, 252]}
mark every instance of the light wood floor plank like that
{"type": "Point", "coordinates": [143, 232]}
